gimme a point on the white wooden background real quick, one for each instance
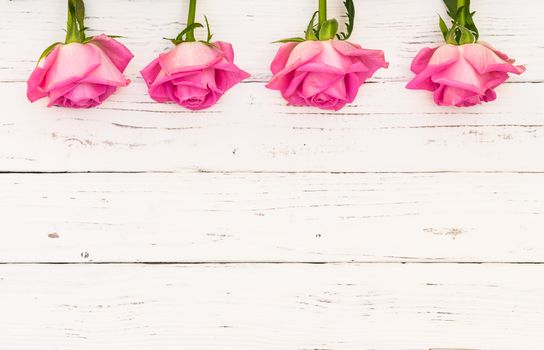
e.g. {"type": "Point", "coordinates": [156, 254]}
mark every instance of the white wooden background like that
{"type": "Point", "coordinates": [391, 225]}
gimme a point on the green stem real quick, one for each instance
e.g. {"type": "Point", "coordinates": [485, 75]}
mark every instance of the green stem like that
{"type": "Point", "coordinates": [461, 18]}
{"type": "Point", "coordinates": [72, 31]}
{"type": "Point", "coordinates": [322, 11]}
{"type": "Point", "coordinates": [191, 20]}
{"type": "Point", "coordinates": [75, 31]}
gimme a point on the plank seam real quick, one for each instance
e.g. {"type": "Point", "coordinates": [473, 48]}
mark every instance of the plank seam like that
{"type": "Point", "coordinates": [377, 262]}
{"type": "Point", "coordinates": [302, 172]}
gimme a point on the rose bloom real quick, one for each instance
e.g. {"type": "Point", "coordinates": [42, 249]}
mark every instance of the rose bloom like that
{"type": "Point", "coordinates": [323, 74]}
{"type": "Point", "coordinates": [462, 76]}
{"type": "Point", "coordinates": [193, 74]}
{"type": "Point", "coordinates": [80, 75]}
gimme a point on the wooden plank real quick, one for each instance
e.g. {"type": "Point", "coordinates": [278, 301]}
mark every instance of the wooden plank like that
{"type": "Point", "coordinates": [272, 217]}
{"type": "Point", "coordinates": [252, 130]}
{"type": "Point", "coordinates": [394, 26]}
{"type": "Point", "coordinates": [383, 307]}
{"type": "Point", "coordinates": [387, 129]}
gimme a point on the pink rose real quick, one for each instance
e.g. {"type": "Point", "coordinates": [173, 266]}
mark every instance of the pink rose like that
{"type": "Point", "coordinates": [462, 75]}
{"type": "Point", "coordinates": [80, 75]}
{"type": "Point", "coordinates": [323, 74]}
{"type": "Point", "coordinates": [193, 74]}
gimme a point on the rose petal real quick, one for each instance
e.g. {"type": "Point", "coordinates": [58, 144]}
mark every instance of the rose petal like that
{"type": "Point", "coordinates": [463, 75]}
{"type": "Point", "coordinates": [86, 91]}
{"type": "Point", "coordinates": [421, 61]}
{"type": "Point", "coordinates": [372, 59]}
{"type": "Point", "coordinates": [490, 95]}
{"type": "Point", "coordinates": [337, 90]}
{"type": "Point", "coordinates": [302, 54]}
{"type": "Point", "coordinates": [59, 92]}
{"type": "Point", "coordinates": [485, 60]}
{"type": "Point", "coordinates": [74, 62]}
{"type": "Point", "coordinates": [163, 93]}
{"type": "Point", "coordinates": [151, 71]}
{"type": "Point", "coordinates": [280, 61]}
{"type": "Point", "coordinates": [35, 91]}
{"type": "Point", "coordinates": [194, 100]}
{"type": "Point", "coordinates": [295, 100]}
{"type": "Point", "coordinates": [497, 52]}
{"type": "Point", "coordinates": [162, 78]}
{"type": "Point", "coordinates": [81, 96]}
{"type": "Point", "coordinates": [445, 54]}
{"type": "Point", "coordinates": [455, 96]}
{"type": "Point", "coordinates": [333, 57]}
{"type": "Point", "coordinates": [189, 56]}
{"type": "Point", "coordinates": [186, 92]}
{"type": "Point", "coordinates": [227, 78]}
{"type": "Point", "coordinates": [423, 81]}
{"type": "Point", "coordinates": [118, 53]}
{"type": "Point", "coordinates": [320, 67]}
{"type": "Point", "coordinates": [326, 102]}
{"type": "Point", "coordinates": [106, 73]}
{"type": "Point", "coordinates": [323, 74]}
{"type": "Point", "coordinates": [201, 79]}
{"type": "Point", "coordinates": [316, 83]}
{"type": "Point", "coordinates": [226, 50]}
{"type": "Point", "coordinates": [294, 84]}
{"type": "Point", "coordinates": [352, 84]}
{"type": "Point", "coordinates": [444, 57]}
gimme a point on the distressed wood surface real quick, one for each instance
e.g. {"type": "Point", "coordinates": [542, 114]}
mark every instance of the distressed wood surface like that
{"type": "Point", "coordinates": [272, 217]}
{"type": "Point", "coordinates": [400, 29]}
{"type": "Point", "coordinates": [239, 307]}
{"type": "Point", "coordinates": [393, 224]}
{"type": "Point", "coordinates": [252, 129]}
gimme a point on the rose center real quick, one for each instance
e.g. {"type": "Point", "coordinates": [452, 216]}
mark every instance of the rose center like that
{"type": "Point", "coordinates": [321, 99]}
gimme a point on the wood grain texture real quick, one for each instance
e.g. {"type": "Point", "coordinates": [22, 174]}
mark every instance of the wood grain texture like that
{"type": "Point", "coordinates": [272, 217]}
{"type": "Point", "coordinates": [383, 307]}
{"type": "Point", "coordinates": [391, 225]}
{"type": "Point", "coordinates": [398, 28]}
{"type": "Point", "coordinates": [388, 128]}
{"type": "Point", "coordinates": [253, 131]}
